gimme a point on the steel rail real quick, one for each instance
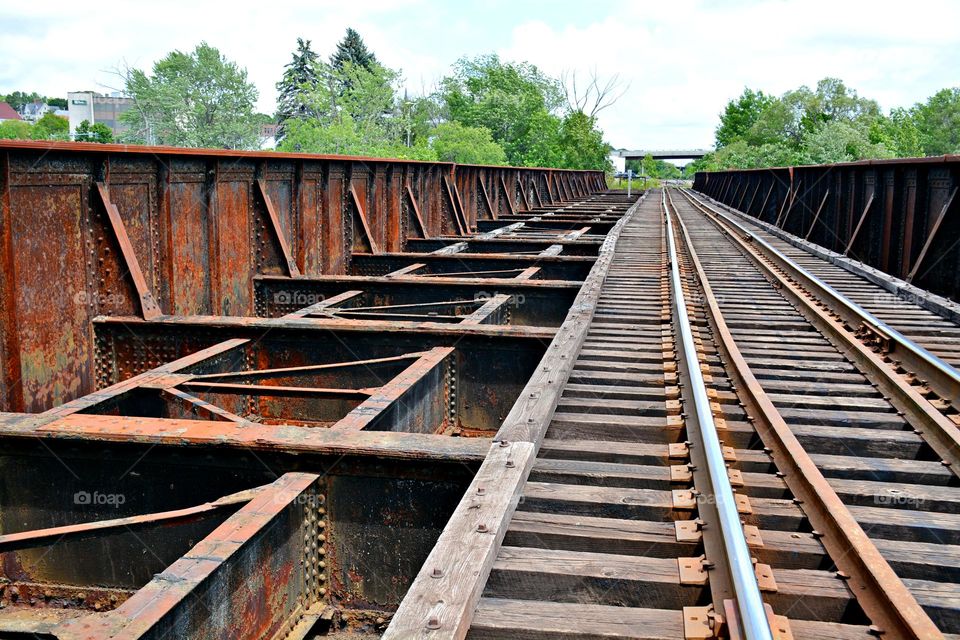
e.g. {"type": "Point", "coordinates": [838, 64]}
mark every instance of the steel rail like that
{"type": "Point", "coordinates": [753, 615]}
{"type": "Point", "coordinates": [929, 421]}
{"type": "Point", "coordinates": [936, 365]}
{"type": "Point", "coordinates": [880, 592]}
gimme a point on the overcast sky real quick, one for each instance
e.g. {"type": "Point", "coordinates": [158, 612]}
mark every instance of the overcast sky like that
{"type": "Point", "coordinates": [683, 59]}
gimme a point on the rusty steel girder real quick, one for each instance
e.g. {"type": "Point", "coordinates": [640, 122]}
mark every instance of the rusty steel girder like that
{"type": "Point", "coordinates": [245, 391]}
{"type": "Point", "coordinates": [892, 215]}
{"type": "Point", "coordinates": [94, 230]}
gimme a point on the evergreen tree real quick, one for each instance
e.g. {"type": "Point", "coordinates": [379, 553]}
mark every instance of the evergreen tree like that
{"type": "Point", "coordinates": [352, 49]}
{"type": "Point", "coordinates": [299, 80]}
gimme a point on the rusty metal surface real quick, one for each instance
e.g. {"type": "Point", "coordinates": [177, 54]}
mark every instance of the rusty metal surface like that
{"type": "Point", "coordinates": [898, 216]}
{"type": "Point", "coordinates": [119, 227]}
{"type": "Point", "coordinates": [256, 385]}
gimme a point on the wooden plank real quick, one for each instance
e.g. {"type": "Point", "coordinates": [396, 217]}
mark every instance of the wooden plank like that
{"type": "Point", "coordinates": [443, 606]}
{"type": "Point", "coordinates": [601, 578]}
{"type": "Point", "coordinates": [499, 618]}
{"type": "Point", "coordinates": [616, 502]}
{"type": "Point", "coordinates": [441, 600]}
{"type": "Point", "coordinates": [598, 535]}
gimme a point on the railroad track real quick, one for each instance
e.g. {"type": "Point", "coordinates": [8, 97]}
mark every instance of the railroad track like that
{"type": "Point", "coordinates": [735, 454]}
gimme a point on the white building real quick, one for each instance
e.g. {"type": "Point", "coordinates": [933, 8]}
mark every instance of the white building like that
{"type": "Point", "coordinates": [93, 107]}
{"type": "Point", "coordinates": [33, 111]}
{"type": "Point", "coordinates": [618, 161]}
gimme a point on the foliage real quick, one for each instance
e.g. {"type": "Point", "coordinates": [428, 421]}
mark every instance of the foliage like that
{"type": "Point", "coordinates": [740, 115]}
{"type": "Point", "coordinates": [352, 110]}
{"type": "Point", "coordinates": [51, 127]}
{"type": "Point", "coordinates": [515, 102]}
{"type": "Point", "coordinates": [840, 141]}
{"type": "Point", "coordinates": [15, 130]}
{"type": "Point", "coordinates": [830, 123]}
{"type": "Point", "coordinates": [98, 132]}
{"type": "Point", "coordinates": [938, 122]}
{"type": "Point", "coordinates": [581, 143]}
{"type": "Point", "coordinates": [455, 142]}
{"type": "Point", "coordinates": [898, 132]}
{"type": "Point", "coordinates": [17, 99]}
{"type": "Point", "coordinates": [352, 50]}
{"type": "Point", "coordinates": [487, 112]}
{"type": "Point", "coordinates": [196, 99]}
{"type": "Point", "coordinates": [299, 79]}
{"type": "Point", "coordinates": [660, 169]}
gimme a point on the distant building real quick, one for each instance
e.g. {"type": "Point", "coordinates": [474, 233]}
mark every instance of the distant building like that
{"type": "Point", "coordinates": [94, 107]}
{"type": "Point", "coordinates": [268, 136]}
{"type": "Point", "coordinates": [8, 113]}
{"type": "Point", "coordinates": [619, 162]}
{"type": "Point", "coordinates": [33, 111]}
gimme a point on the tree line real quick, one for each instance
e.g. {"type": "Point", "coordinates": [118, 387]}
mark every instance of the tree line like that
{"type": "Point", "coordinates": [828, 124]}
{"type": "Point", "coordinates": [487, 111]}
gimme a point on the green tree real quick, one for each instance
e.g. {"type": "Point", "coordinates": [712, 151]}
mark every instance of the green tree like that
{"type": "Point", "coordinates": [938, 121]}
{"type": "Point", "coordinates": [740, 115]}
{"type": "Point", "coordinates": [59, 103]}
{"type": "Point", "coordinates": [517, 103]}
{"type": "Point", "coordinates": [98, 132]}
{"type": "Point", "coordinates": [833, 101]}
{"type": "Point", "coordinates": [454, 142]}
{"type": "Point", "coordinates": [777, 124]}
{"type": "Point", "coordinates": [196, 99]}
{"type": "Point", "coordinates": [352, 110]}
{"type": "Point", "coordinates": [898, 132]}
{"type": "Point", "coordinates": [840, 141]}
{"type": "Point", "coordinates": [15, 130]}
{"type": "Point", "coordinates": [581, 143]}
{"type": "Point", "coordinates": [51, 127]}
{"type": "Point", "coordinates": [646, 165]}
{"type": "Point", "coordinates": [17, 99]}
{"type": "Point", "coordinates": [352, 50]}
{"type": "Point", "coordinates": [299, 79]}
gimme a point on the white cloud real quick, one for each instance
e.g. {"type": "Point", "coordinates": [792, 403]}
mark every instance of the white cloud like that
{"type": "Point", "coordinates": [684, 60]}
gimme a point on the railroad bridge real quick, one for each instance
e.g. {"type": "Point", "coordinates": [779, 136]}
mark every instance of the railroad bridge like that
{"type": "Point", "coordinates": [282, 396]}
